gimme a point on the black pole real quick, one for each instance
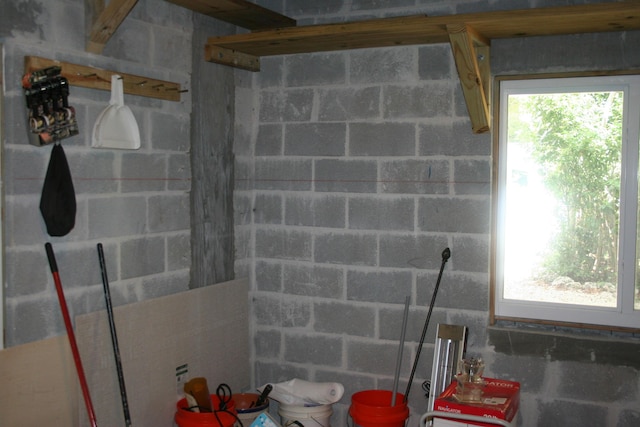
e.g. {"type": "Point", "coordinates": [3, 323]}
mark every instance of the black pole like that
{"type": "Point", "coordinates": [446, 254]}
{"type": "Point", "coordinates": [114, 337]}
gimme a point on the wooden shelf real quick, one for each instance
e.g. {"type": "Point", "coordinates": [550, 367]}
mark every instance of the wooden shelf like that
{"type": "Point", "coordinates": [469, 35]}
{"type": "Point", "coordinates": [238, 12]}
{"type": "Point", "coordinates": [421, 29]}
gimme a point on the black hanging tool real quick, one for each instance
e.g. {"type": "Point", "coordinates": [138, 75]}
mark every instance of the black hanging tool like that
{"type": "Point", "coordinates": [114, 337]}
{"type": "Point", "coordinates": [446, 254]}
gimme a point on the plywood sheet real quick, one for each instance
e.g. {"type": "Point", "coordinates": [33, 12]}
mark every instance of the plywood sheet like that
{"type": "Point", "coordinates": [206, 328]}
{"type": "Point", "coordinates": [38, 384]}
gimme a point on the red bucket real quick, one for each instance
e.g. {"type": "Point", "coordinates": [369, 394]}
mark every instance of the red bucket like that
{"type": "Point", "coordinates": [185, 418]}
{"type": "Point", "coordinates": [372, 408]}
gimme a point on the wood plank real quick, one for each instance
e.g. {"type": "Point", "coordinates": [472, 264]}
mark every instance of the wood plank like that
{"type": "Point", "coordinates": [472, 77]}
{"type": "Point", "coordinates": [233, 58]}
{"type": "Point", "coordinates": [107, 21]}
{"type": "Point", "coordinates": [238, 12]}
{"type": "Point", "coordinates": [97, 78]}
{"type": "Point", "coordinates": [410, 30]}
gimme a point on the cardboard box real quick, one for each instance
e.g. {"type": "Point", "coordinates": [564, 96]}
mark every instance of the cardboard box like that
{"type": "Point", "coordinates": [500, 400]}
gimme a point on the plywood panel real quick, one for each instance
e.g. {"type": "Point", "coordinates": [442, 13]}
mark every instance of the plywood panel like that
{"type": "Point", "coordinates": [206, 328]}
{"type": "Point", "coordinates": [38, 384]}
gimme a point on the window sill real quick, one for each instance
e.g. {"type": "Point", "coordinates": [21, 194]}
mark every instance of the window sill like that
{"type": "Point", "coordinates": [556, 344]}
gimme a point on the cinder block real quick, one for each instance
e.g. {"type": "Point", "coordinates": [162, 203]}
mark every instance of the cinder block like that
{"type": "Point", "coordinates": [315, 139]}
{"type": "Point", "coordinates": [170, 132]}
{"type": "Point", "coordinates": [131, 42]}
{"type": "Point", "coordinates": [19, 169]}
{"type": "Point", "coordinates": [270, 140]}
{"type": "Point", "coordinates": [160, 286]}
{"type": "Point", "coordinates": [457, 290]}
{"type": "Point", "coordinates": [605, 384]}
{"type": "Point", "coordinates": [271, 72]}
{"type": "Point", "coordinates": [315, 69]}
{"type": "Point", "coordinates": [93, 172]}
{"type": "Point", "coordinates": [283, 244]}
{"type": "Point", "coordinates": [179, 251]}
{"type": "Point", "coordinates": [268, 276]}
{"type": "Point", "coordinates": [373, 357]}
{"type": "Point", "coordinates": [285, 313]}
{"type": "Point", "coordinates": [452, 138]}
{"type": "Point", "coordinates": [411, 251]}
{"type": "Point", "coordinates": [283, 174]}
{"type": "Point", "coordinates": [454, 215]}
{"type": "Point", "coordinates": [313, 280]}
{"type": "Point", "coordinates": [267, 343]}
{"type": "Point", "coordinates": [472, 176]}
{"type": "Point", "coordinates": [427, 100]}
{"type": "Point", "coordinates": [629, 418]}
{"type": "Point", "coordinates": [470, 254]}
{"type": "Point", "coordinates": [142, 257]}
{"type": "Point", "coordinates": [390, 324]}
{"type": "Point", "coordinates": [34, 319]}
{"type": "Point", "coordinates": [267, 209]}
{"type": "Point", "coordinates": [169, 212]}
{"type": "Point", "coordinates": [379, 286]}
{"type": "Point", "coordinates": [382, 139]}
{"type": "Point", "coordinates": [171, 46]}
{"type": "Point", "coordinates": [382, 65]}
{"type": "Point", "coordinates": [315, 211]}
{"type": "Point", "coordinates": [348, 103]}
{"type": "Point", "coordinates": [291, 105]}
{"type": "Point", "coordinates": [143, 172]}
{"type": "Point", "coordinates": [353, 176]}
{"type": "Point", "coordinates": [528, 371]}
{"type": "Point", "coordinates": [425, 176]}
{"type": "Point", "coordinates": [344, 318]}
{"type": "Point", "coordinates": [117, 216]}
{"type": "Point", "coordinates": [20, 272]}
{"type": "Point", "coordinates": [562, 413]}
{"type": "Point", "coordinates": [381, 213]}
{"type": "Point", "coordinates": [27, 224]}
{"type": "Point", "coordinates": [435, 62]}
{"type": "Point", "coordinates": [317, 350]}
{"type": "Point", "coordinates": [349, 249]}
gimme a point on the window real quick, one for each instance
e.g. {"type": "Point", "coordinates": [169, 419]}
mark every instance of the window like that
{"type": "Point", "coordinates": [566, 240]}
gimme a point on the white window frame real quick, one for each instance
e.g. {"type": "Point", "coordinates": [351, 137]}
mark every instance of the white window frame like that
{"type": "Point", "coordinates": [623, 316]}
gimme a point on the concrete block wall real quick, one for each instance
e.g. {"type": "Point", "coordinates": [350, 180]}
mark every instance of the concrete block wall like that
{"type": "Point", "coordinates": [355, 171]}
{"type": "Point", "coordinates": [134, 202]}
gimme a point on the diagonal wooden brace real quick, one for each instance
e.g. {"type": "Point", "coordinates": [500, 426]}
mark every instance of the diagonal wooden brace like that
{"type": "Point", "coordinates": [471, 54]}
{"type": "Point", "coordinates": [105, 21]}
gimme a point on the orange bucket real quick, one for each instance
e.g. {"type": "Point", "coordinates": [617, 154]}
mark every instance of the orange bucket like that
{"type": "Point", "coordinates": [185, 418]}
{"type": "Point", "coordinates": [372, 408]}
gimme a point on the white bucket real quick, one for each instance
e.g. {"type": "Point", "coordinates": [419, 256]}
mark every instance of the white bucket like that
{"type": "Point", "coordinates": [308, 416]}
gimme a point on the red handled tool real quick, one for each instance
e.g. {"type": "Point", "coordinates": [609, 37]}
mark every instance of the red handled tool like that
{"type": "Point", "coordinates": [72, 338]}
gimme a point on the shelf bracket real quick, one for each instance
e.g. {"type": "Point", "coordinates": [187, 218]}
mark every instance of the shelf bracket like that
{"type": "Point", "coordinates": [471, 53]}
{"type": "Point", "coordinates": [105, 21]}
